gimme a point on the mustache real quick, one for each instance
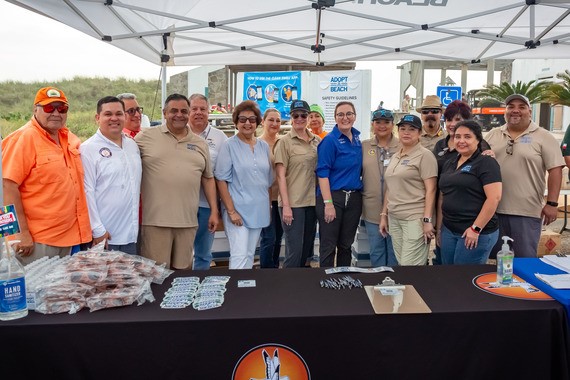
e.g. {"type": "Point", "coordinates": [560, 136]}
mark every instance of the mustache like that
{"type": "Point", "coordinates": [431, 118]}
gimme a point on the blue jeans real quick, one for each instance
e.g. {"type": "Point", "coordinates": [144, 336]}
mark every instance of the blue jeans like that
{"type": "Point", "coordinates": [453, 249]}
{"type": "Point", "coordinates": [381, 249]}
{"type": "Point", "coordinates": [203, 241]}
{"type": "Point", "coordinates": [270, 243]}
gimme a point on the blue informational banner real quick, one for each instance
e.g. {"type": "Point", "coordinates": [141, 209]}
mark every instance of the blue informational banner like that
{"type": "Point", "coordinates": [273, 89]}
{"type": "Point", "coordinates": [447, 94]}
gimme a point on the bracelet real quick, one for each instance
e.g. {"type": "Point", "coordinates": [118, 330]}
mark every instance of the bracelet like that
{"type": "Point", "coordinates": [552, 203]}
{"type": "Point", "coordinates": [327, 200]}
{"type": "Point", "coordinates": [474, 230]}
{"type": "Point", "coordinates": [383, 214]}
{"type": "Point", "coordinates": [231, 212]}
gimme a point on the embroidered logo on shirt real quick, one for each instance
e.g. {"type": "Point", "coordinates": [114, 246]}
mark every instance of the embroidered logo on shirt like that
{"type": "Point", "coordinates": [371, 152]}
{"type": "Point", "coordinates": [405, 162]}
{"type": "Point", "coordinates": [105, 152]}
{"type": "Point", "coordinates": [191, 146]}
{"type": "Point", "coordinates": [466, 169]}
{"type": "Point", "coordinates": [525, 139]}
{"type": "Point", "coordinates": [442, 153]}
{"type": "Point", "coordinates": [564, 146]}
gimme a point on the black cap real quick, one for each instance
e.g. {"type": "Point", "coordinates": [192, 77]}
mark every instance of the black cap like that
{"type": "Point", "coordinates": [300, 105]}
{"type": "Point", "coordinates": [412, 120]}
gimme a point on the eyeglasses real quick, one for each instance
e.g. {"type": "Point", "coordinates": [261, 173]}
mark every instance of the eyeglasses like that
{"type": "Point", "coordinates": [50, 108]}
{"type": "Point", "coordinates": [300, 115]}
{"type": "Point", "coordinates": [433, 111]}
{"type": "Point", "coordinates": [510, 146]}
{"type": "Point", "coordinates": [251, 119]}
{"type": "Point", "coordinates": [340, 115]}
{"type": "Point", "coordinates": [133, 111]}
{"type": "Point", "coordinates": [386, 114]}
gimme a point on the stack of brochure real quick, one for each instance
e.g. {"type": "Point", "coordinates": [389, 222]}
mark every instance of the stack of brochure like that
{"type": "Point", "coordinates": [557, 281]}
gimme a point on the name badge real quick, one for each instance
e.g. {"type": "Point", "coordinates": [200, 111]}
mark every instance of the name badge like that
{"type": "Point", "coordinates": [466, 169]}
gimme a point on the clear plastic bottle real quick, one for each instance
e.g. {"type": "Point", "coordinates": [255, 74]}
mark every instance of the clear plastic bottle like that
{"type": "Point", "coordinates": [12, 286]}
{"type": "Point", "coordinates": [505, 263]}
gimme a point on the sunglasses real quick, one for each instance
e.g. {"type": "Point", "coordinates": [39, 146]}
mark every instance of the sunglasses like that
{"type": "Point", "coordinates": [510, 146]}
{"type": "Point", "coordinates": [300, 115]}
{"type": "Point", "coordinates": [432, 111]}
{"type": "Point", "coordinates": [243, 119]}
{"type": "Point", "coordinates": [133, 111]}
{"type": "Point", "coordinates": [50, 108]}
{"type": "Point", "coordinates": [382, 114]}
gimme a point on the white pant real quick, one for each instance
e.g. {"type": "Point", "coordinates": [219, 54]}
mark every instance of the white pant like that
{"type": "Point", "coordinates": [243, 242]}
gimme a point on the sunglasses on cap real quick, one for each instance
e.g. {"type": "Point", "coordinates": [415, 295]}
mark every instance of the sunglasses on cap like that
{"type": "Point", "coordinates": [243, 119]}
{"type": "Point", "coordinates": [50, 108]}
{"type": "Point", "coordinates": [302, 115]}
{"type": "Point", "coordinates": [383, 113]}
{"type": "Point", "coordinates": [431, 110]}
{"type": "Point", "coordinates": [133, 111]}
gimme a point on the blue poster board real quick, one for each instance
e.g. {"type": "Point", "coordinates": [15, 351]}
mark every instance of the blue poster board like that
{"type": "Point", "coordinates": [273, 89]}
{"type": "Point", "coordinates": [447, 94]}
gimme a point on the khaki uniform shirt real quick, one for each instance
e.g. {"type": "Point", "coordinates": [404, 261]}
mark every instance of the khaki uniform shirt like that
{"type": "Point", "coordinates": [534, 152]}
{"type": "Point", "coordinates": [299, 158]}
{"type": "Point", "coordinates": [171, 177]}
{"type": "Point", "coordinates": [375, 160]}
{"type": "Point", "coordinates": [429, 142]}
{"type": "Point", "coordinates": [405, 177]}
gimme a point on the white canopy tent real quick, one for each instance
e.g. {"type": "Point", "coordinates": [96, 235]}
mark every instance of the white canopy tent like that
{"type": "Point", "coordinates": [323, 32]}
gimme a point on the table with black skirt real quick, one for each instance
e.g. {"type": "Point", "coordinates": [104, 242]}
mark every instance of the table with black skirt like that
{"type": "Point", "coordinates": [470, 334]}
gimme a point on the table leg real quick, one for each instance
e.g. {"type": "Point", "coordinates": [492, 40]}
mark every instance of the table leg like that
{"type": "Point", "coordinates": [565, 213]}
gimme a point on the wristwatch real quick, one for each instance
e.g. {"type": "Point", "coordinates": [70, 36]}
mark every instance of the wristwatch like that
{"type": "Point", "coordinates": [427, 220]}
{"type": "Point", "coordinates": [476, 228]}
{"type": "Point", "coordinates": [551, 203]}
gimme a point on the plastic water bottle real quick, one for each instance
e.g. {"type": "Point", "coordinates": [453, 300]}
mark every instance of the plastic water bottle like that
{"type": "Point", "coordinates": [12, 286]}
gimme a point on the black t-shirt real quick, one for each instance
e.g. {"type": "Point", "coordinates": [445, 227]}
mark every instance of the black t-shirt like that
{"type": "Point", "coordinates": [463, 194]}
{"type": "Point", "coordinates": [443, 154]}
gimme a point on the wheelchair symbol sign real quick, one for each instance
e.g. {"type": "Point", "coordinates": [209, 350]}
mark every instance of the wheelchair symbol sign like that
{"type": "Point", "coordinates": [447, 94]}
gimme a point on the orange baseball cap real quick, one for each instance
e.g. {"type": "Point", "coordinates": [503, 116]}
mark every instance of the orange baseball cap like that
{"type": "Point", "coordinates": [49, 95]}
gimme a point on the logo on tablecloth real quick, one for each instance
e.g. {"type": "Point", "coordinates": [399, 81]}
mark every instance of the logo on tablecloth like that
{"type": "Point", "coordinates": [271, 362]}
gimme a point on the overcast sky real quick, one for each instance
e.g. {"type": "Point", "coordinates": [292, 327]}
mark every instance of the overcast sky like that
{"type": "Point", "coordinates": [36, 48]}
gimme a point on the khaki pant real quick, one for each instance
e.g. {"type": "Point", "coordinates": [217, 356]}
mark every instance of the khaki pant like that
{"type": "Point", "coordinates": [408, 241]}
{"type": "Point", "coordinates": [44, 250]}
{"type": "Point", "coordinates": [172, 246]}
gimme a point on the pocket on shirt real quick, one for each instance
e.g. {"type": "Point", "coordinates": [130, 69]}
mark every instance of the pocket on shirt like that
{"type": "Point", "coordinates": [51, 169]}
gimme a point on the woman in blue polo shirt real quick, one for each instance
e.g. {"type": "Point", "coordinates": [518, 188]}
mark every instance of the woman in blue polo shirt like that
{"type": "Point", "coordinates": [339, 197]}
{"type": "Point", "coordinates": [471, 187]}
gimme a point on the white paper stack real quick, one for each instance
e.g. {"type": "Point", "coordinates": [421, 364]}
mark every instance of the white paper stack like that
{"type": "Point", "coordinates": [557, 281]}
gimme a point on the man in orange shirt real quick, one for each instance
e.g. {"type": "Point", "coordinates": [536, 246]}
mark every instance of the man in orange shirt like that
{"type": "Point", "coordinates": [43, 178]}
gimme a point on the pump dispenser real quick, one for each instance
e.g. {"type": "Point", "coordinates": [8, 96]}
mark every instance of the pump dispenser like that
{"type": "Point", "coordinates": [505, 263]}
{"type": "Point", "coordinates": [12, 285]}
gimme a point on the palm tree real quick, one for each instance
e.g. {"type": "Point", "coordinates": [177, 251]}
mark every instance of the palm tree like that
{"type": "Point", "coordinates": [536, 92]}
{"type": "Point", "coordinates": [559, 93]}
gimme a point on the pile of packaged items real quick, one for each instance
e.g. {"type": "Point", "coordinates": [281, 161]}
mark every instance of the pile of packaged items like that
{"type": "Point", "coordinates": [96, 279]}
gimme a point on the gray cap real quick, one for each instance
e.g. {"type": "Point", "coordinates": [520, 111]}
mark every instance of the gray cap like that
{"type": "Point", "coordinates": [520, 97]}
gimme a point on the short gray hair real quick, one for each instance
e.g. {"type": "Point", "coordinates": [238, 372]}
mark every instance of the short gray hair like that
{"type": "Point", "coordinates": [199, 96]}
{"type": "Point", "coordinates": [127, 95]}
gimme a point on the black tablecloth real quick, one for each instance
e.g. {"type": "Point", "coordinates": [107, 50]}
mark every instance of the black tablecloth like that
{"type": "Point", "coordinates": [469, 334]}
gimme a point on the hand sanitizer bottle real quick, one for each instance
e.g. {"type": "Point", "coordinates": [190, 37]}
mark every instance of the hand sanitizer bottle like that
{"type": "Point", "coordinates": [505, 263]}
{"type": "Point", "coordinates": [12, 286]}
